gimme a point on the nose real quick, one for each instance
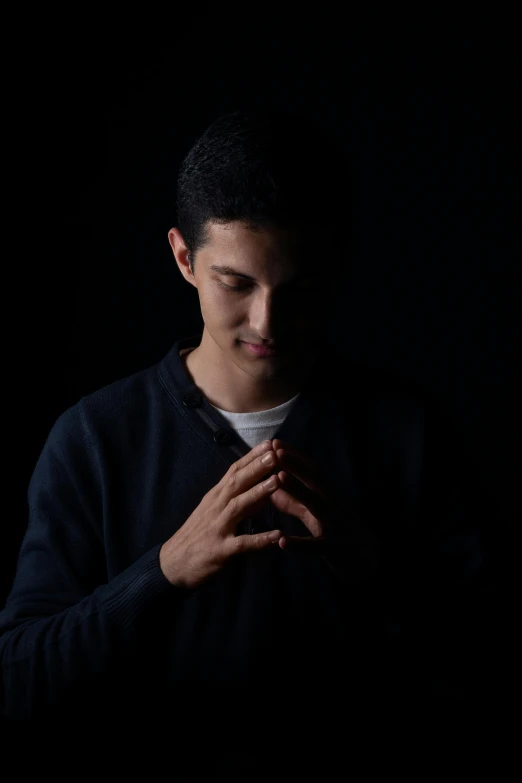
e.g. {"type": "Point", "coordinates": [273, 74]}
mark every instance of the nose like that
{"type": "Point", "coordinates": [267, 313]}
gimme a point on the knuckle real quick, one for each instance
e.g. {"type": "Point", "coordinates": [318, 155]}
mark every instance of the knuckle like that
{"type": "Point", "coordinates": [238, 542]}
{"type": "Point", "coordinates": [258, 490]}
{"type": "Point", "coordinates": [232, 480]}
{"type": "Point", "coordinates": [233, 505]}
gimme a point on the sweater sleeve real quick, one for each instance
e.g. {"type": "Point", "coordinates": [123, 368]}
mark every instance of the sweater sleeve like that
{"type": "Point", "coordinates": [65, 629]}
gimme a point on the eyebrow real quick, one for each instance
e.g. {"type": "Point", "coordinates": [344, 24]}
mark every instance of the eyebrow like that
{"type": "Point", "coordinates": [228, 270]}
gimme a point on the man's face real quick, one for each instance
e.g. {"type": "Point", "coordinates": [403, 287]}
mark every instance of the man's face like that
{"type": "Point", "coordinates": [263, 288]}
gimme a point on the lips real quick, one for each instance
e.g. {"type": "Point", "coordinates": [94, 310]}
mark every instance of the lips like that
{"type": "Point", "coordinates": [262, 350]}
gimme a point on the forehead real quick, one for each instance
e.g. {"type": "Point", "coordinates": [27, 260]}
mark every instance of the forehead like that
{"type": "Point", "coordinates": [267, 245]}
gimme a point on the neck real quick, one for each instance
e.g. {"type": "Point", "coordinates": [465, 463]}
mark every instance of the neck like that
{"type": "Point", "coordinates": [232, 387]}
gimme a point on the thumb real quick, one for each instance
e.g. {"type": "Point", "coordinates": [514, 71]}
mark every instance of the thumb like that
{"type": "Point", "coordinates": [261, 540]}
{"type": "Point", "coordinates": [304, 544]}
{"type": "Point", "coordinates": [255, 541]}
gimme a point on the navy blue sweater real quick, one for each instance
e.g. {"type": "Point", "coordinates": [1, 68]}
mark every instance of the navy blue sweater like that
{"type": "Point", "coordinates": [93, 634]}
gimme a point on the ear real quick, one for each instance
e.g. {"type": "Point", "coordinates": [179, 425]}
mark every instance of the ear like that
{"type": "Point", "coordinates": [181, 253]}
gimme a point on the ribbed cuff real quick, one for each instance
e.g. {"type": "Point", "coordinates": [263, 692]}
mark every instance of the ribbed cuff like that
{"type": "Point", "coordinates": [135, 589]}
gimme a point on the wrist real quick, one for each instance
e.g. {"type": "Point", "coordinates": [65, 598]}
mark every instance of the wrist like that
{"type": "Point", "coordinates": [168, 566]}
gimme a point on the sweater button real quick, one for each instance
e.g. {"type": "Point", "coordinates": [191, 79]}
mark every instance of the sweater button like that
{"type": "Point", "coordinates": [192, 400]}
{"type": "Point", "coordinates": [222, 436]}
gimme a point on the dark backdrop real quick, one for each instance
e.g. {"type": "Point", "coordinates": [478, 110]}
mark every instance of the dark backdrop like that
{"type": "Point", "coordinates": [103, 115]}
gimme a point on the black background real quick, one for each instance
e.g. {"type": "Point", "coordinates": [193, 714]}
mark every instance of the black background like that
{"type": "Point", "coordinates": [103, 112]}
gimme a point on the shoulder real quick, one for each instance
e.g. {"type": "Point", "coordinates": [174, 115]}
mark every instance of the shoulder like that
{"type": "Point", "coordinates": [121, 396]}
{"type": "Point", "coordinates": [111, 407]}
{"type": "Point", "coordinates": [385, 405]}
{"type": "Point", "coordinates": [379, 390]}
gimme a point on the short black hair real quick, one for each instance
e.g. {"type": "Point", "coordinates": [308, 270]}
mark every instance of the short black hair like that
{"type": "Point", "coordinates": [268, 168]}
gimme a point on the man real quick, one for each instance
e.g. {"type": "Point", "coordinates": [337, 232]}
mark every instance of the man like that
{"type": "Point", "coordinates": [234, 559]}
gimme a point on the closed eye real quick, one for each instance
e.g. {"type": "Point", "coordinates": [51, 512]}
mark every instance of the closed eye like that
{"type": "Point", "coordinates": [246, 286]}
{"type": "Point", "coordinates": [233, 287]}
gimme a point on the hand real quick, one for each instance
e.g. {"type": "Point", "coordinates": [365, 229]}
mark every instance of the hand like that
{"type": "Point", "coordinates": [344, 541]}
{"type": "Point", "coordinates": [207, 540]}
{"type": "Point", "coordinates": [303, 494]}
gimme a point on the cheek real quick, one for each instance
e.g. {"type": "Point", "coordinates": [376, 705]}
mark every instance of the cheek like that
{"type": "Point", "coordinates": [314, 317]}
{"type": "Point", "coordinates": [215, 300]}
{"type": "Point", "coordinates": [220, 306]}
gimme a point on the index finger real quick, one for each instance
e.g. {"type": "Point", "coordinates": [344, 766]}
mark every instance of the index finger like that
{"type": "Point", "coordinates": [301, 465]}
{"type": "Point", "coordinates": [257, 451]}
{"type": "Point", "coordinates": [290, 449]}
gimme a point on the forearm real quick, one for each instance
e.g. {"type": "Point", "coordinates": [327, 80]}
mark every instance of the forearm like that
{"type": "Point", "coordinates": [46, 660]}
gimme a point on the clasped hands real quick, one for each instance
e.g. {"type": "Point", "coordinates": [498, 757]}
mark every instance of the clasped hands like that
{"type": "Point", "coordinates": [347, 545]}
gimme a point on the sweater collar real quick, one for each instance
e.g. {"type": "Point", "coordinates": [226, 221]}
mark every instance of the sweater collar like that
{"type": "Point", "coordinates": [193, 404]}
